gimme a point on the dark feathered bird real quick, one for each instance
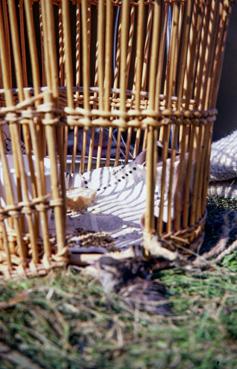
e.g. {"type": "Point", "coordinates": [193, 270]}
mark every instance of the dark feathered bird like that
{"type": "Point", "coordinates": [131, 279]}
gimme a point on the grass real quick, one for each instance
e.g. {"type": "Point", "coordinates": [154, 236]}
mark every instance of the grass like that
{"type": "Point", "coordinates": [65, 321]}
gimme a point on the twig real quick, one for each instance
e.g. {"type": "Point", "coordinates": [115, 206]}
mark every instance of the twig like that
{"type": "Point", "coordinates": [17, 358]}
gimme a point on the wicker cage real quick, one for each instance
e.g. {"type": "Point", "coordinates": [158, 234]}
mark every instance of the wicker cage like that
{"type": "Point", "coordinates": [86, 84]}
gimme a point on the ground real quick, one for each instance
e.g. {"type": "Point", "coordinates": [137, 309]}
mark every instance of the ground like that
{"type": "Point", "coordinates": [65, 321]}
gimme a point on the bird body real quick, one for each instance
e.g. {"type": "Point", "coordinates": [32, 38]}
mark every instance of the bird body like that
{"type": "Point", "coordinates": [131, 280]}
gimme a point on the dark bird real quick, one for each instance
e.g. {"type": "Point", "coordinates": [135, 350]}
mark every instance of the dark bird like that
{"type": "Point", "coordinates": [131, 280]}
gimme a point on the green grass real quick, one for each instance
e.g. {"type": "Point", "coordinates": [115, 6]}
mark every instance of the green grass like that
{"type": "Point", "coordinates": [65, 321]}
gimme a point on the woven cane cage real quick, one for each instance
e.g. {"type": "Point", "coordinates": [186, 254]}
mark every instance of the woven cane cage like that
{"type": "Point", "coordinates": [86, 84]}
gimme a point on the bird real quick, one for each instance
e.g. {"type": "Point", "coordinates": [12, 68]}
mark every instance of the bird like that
{"type": "Point", "coordinates": [131, 280]}
{"type": "Point", "coordinates": [141, 157]}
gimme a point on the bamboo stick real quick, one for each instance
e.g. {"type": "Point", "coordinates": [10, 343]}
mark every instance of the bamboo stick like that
{"type": "Point", "coordinates": [138, 71]}
{"type": "Point", "coordinates": [41, 190]}
{"type": "Point", "coordinates": [57, 196]}
{"type": "Point", "coordinates": [78, 80]}
{"type": "Point", "coordinates": [108, 71]}
{"type": "Point", "coordinates": [32, 46]}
